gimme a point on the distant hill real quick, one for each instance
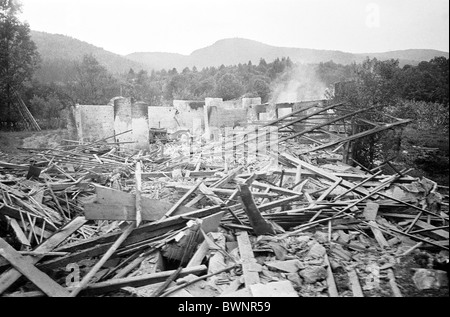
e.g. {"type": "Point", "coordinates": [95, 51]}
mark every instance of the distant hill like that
{"type": "Point", "coordinates": [58, 49]}
{"type": "Point", "coordinates": [237, 50]}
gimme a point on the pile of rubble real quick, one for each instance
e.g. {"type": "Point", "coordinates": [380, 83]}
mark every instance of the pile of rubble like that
{"type": "Point", "coordinates": [94, 220]}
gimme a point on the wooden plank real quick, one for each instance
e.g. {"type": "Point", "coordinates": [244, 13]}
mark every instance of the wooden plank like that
{"type": "Point", "coordinates": [12, 275]}
{"type": "Point", "coordinates": [85, 281]}
{"type": "Point", "coordinates": [37, 277]}
{"type": "Point", "coordinates": [210, 195]}
{"type": "Point", "coordinates": [96, 246]}
{"type": "Point", "coordinates": [110, 196]}
{"type": "Point", "coordinates": [116, 205]}
{"type": "Point", "coordinates": [439, 232]}
{"type": "Point", "coordinates": [393, 284]}
{"type": "Point", "coordinates": [248, 259]}
{"type": "Point", "coordinates": [214, 191]}
{"type": "Point", "coordinates": [257, 221]}
{"type": "Point", "coordinates": [354, 283]}
{"type": "Point", "coordinates": [18, 231]}
{"type": "Point", "coordinates": [117, 213]}
{"type": "Point", "coordinates": [199, 255]}
{"type": "Point", "coordinates": [192, 174]}
{"type": "Point", "coordinates": [181, 201]}
{"type": "Point", "coordinates": [332, 289]}
{"type": "Point", "coordinates": [378, 234]}
{"type": "Point", "coordinates": [139, 281]}
{"type": "Point", "coordinates": [325, 174]}
{"type": "Point", "coordinates": [14, 166]}
{"type": "Point", "coordinates": [357, 136]}
{"type": "Point", "coordinates": [138, 195]}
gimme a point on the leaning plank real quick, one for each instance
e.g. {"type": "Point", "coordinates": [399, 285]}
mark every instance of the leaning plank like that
{"type": "Point", "coordinates": [120, 212]}
{"type": "Point", "coordinates": [393, 284]}
{"type": "Point", "coordinates": [37, 277]}
{"type": "Point", "coordinates": [110, 196]}
{"type": "Point", "coordinates": [378, 234]}
{"type": "Point", "coordinates": [199, 255]}
{"type": "Point", "coordinates": [440, 232]}
{"type": "Point", "coordinates": [210, 194]}
{"type": "Point", "coordinates": [18, 231]}
{"type": "Point", "coordinates": [214, 191]}
{"type": "Point", "coordinates": [332, 289]}
{"type": "Point", "coordinates": [139, 281]}
{"type": "Point", "coordinates": [12, 275]}
{"type": "Point", "coordinates": [192, 174]}
{"type": "Point", "coordinates": [103, 260]}
{"type": "Point", "coordinates": [96, 246]}
{"type": "Point", "coordinates": [248, 259]}
{"type": "Point", "coordinates": [181, 201]}
{"type": "Point", "coordinates": [96, 211]}
{"type": "Point", "coordinates": [324, 174]}
{"type": "Point", "coordinates": [354, 282]}
{"type": "Point", "coordinates": [258, 223]}
{"type": "Point", "coordinates": [358, 136]}
{"type": "Point", "coordinates": [138, 194]}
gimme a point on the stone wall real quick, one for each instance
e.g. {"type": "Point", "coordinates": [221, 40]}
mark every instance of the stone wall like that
{"type": "Point", "coordinates": [94, 122]}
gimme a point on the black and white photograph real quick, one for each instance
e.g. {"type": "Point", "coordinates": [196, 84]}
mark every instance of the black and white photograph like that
{"type": "Point", "coordinates": [224, 153]}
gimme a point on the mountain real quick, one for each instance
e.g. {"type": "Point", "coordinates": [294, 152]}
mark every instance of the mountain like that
{"type": "Point", "coordinates": [59, 49]}
{"type": "Point", "coordinates": [237, 50]}
{"type": "Point", "coordinates": [159, 60]}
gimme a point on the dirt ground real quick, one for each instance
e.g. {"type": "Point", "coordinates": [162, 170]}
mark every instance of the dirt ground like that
{"type": "Point", "coordinates": [11, 142]}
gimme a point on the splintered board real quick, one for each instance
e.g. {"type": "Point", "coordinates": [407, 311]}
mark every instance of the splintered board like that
{"type": "Point", "coordinates": [114, 204]}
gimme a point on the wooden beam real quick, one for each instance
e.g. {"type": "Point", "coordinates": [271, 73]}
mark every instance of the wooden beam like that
{"type": "Point", "coordinates": [12, 275]}
{"type": "Point", "coordinates": [439, 232]}
{"type": "Point", "coordinates": [37, 277]}
{"type": "Point", "coordinates": [332, 289]}
{"type": "Point", "coordinates": [357, 136]}
{"type": "Point", "coordinates": [258, 223]}
{"type": "Point", "coordinates": [85, 281]}
{"type": "Point", "coordinates": [114, 204]}
{"type": "Point", "coordinates": [138, 204]}
{"type": "Point", "coordinates": [248, 259]}
{"type": "Point", "coordinates": [139, 281]}
{"type": "Point", "coordinates": [96, 246]}
{"type": "Point", "coordinates": [18, 232]}
{"type": "Point", "coordinates": [181, 201]}
{"type": "Point", "coordinates": [354, 283]}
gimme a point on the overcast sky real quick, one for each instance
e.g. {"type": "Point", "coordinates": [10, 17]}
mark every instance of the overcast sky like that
{"type": "Point", "coordinates": [182, 26]}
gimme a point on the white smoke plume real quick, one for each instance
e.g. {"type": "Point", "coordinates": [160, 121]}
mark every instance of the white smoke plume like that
{"type": "Point", "coordinates": [299, 84]}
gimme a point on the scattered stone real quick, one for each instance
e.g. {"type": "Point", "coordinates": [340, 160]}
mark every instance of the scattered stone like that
{"type": "Point", "coordinates": [321, 237]}
{"type": "Point", "coordinates": [295, 279]}
{"type": "Point", "coordinates": [313, 274]}
{"type": "Point", "coordinates": [430, 279]}
{"type": "Point", "coordinates": [316, 251]}
{"type": "Point", "coordinates": [291, 266]}
{"type": "Point", "coordinates": [275, 289]}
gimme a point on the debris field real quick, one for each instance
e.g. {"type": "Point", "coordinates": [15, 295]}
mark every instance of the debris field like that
{"type": "Point", "coordinates": [97, 220]}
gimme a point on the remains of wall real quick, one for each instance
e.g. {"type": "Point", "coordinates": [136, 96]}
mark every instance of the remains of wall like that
{"type": "Point", "coordinates": [94, 122]}
{"type": "Point", "coordinates": [123, 122]}
{"type": "Point", "coordinates": [139, 123]}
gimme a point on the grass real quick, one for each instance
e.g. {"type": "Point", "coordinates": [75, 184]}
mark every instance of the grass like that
{"type": "Point", "coordinates": [10, 142]}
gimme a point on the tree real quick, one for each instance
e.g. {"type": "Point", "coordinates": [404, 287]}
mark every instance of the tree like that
{"type": "Point", "coordinates": [18, 55]}
{"type": "Point", "coordinates": [91, 82]}
{"type": "Point", "coordinates": [229, 87]}
{"type": "Point", "coordinates": [261, 86]}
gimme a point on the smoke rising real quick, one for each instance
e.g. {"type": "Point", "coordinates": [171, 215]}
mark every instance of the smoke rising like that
{"type": "Point", "coordinates": [299, 84]}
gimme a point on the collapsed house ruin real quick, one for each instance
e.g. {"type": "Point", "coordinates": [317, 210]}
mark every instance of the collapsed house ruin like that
{"type": "Point", "coordinates": [276, 208]}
